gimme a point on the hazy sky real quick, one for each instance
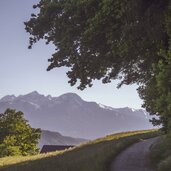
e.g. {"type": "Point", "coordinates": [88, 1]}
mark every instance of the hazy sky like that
{"type": "Point", "coordinates": [23, 70]}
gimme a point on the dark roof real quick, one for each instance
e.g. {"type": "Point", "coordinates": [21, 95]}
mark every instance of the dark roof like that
{"type": "Point", "coordinates": [51, 148]}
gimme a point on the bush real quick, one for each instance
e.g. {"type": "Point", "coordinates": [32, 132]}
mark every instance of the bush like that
{"type": "Point", "coordinates": [165, 165]}
{"type": "Point", "coordinates": [160, 154]}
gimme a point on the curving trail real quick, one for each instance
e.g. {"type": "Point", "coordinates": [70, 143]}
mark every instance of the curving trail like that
{"type": "Point", "coordinates": [134, 158]}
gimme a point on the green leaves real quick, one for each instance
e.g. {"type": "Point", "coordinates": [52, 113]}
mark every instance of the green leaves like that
{"type": "Point", "coordinates": [157, 93]}
{"type": "Point", "coordinates": [101, 39]}
{"type": "Point", "coordinates": [108, 40]}
{"type": "Point", "coordinates": [16, 135]}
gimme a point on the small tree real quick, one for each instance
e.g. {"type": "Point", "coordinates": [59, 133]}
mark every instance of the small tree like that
{"type": "Point", "coordinates": [16, 135]}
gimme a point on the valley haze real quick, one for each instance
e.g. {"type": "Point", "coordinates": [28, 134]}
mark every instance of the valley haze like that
{"type": "Point", "coordinates": [70, 115]}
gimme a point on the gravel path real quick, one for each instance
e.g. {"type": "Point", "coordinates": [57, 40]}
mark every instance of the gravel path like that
{"type": "Point", "coordinates": [134, 158]}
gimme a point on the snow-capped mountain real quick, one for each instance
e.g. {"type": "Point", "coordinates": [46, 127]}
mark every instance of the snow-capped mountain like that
{"type": "Point", "coordinates": [70, 115]}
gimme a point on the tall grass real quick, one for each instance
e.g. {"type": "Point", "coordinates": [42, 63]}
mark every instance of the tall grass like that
{"type": "Point", "coordinates": [92, 156]}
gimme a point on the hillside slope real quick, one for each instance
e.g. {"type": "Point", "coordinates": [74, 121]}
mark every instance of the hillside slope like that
{"type": "Point", "coordinates": [55, 138]}
{"type": "Point", "coordinates": [93, 156]}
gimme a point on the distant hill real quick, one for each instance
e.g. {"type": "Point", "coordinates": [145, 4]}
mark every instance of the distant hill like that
{"type": "Point", "coordinates": [55, 138]}
{"type": "Point", "coordinates": [70, 115]}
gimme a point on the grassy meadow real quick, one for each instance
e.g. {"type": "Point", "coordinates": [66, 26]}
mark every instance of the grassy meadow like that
{"type": "Point", "coordinates": [92, 156]}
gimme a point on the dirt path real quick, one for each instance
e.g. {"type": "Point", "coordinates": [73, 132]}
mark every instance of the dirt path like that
{"type": "Point", "coordinates": [134, 158]}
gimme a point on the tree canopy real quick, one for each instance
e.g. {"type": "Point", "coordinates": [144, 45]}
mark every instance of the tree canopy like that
{"type": "Point", "coordinates": [16, 135]}
{"type": "Point", "coordinates": [108, 40]}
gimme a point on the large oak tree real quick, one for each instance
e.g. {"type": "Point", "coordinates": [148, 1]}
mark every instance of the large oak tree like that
{"type": "Point", "coordinates": [107, 40]}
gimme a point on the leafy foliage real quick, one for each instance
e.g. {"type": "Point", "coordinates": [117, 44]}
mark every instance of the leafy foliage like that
{"type": "Point", "coordinates": [157, 93]}
{"type": "Point", "coordinates": [160, 154]}
{"type": "Point", "coordinates": [101, 39]}
{"type": "Point", "coordinates": [16, 135]}
{"type": "Point", "coordinates": [108, 40]}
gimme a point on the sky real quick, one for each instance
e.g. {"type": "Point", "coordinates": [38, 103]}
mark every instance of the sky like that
{"type": "Point", "coordinates": [23, 70]}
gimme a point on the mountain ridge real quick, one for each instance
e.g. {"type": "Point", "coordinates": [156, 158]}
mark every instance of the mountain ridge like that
{"type": "Point", "coordinates": [8, 98]}
{"type": "Point", "coordinates": [70, 115]}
